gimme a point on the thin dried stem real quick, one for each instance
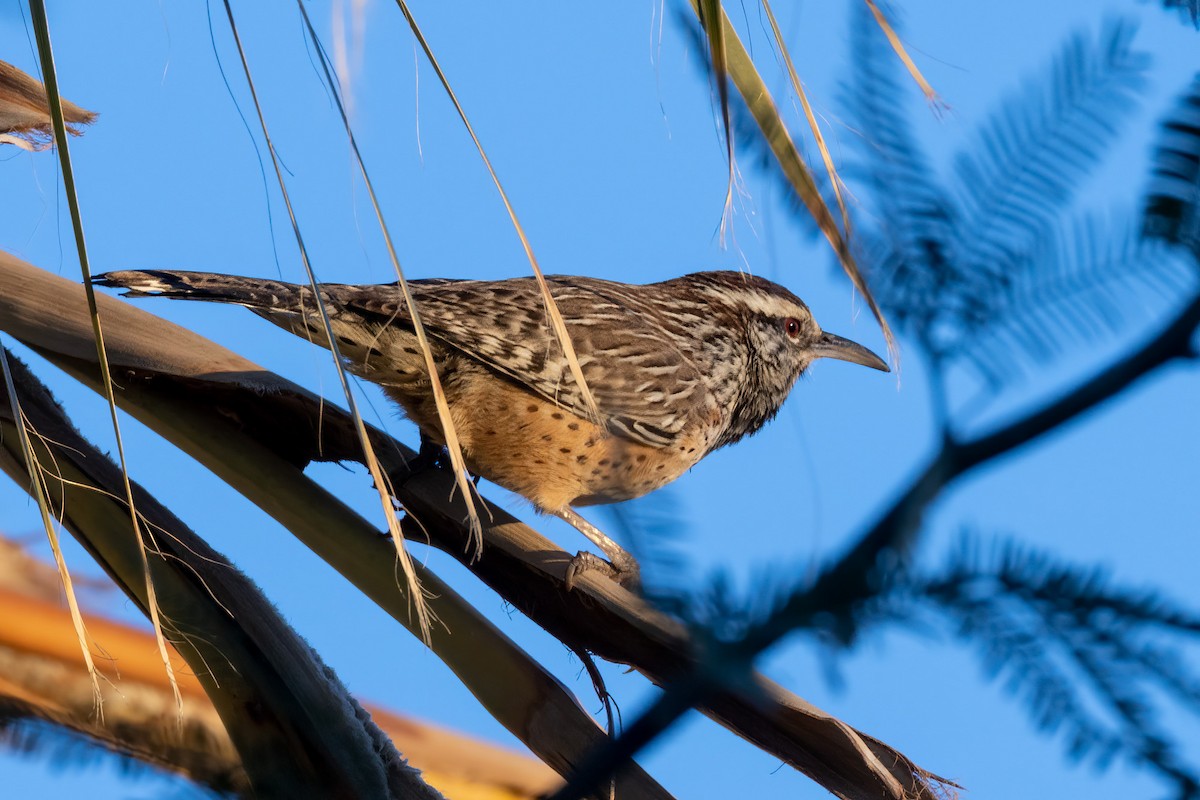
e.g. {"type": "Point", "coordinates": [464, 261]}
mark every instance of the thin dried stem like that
{"type": "Point", "coordinates": [439, 395]}
{"type": "Point", "coordinates": [930, 93]}
{"type": "Point", "coordinates": [38, 490]}
{"type": "Point", "coordinates": [372, 463]}
{"type": "Point", "coordinates": [556, 318]}
{"type": "Point", "coordinates": [41, 28]}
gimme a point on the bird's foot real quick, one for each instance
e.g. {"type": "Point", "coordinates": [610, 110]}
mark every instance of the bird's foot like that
{"type": "Point", "coordinates": [430, 455]}
{"type": "Point", "coordinates": [621, 567]}
{"type": "Point", "coordinates": [623, 570]}
{"type": "Point", "coordinates": [433, 456]}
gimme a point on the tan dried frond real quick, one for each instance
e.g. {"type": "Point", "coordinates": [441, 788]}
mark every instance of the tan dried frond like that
{"type": "Point", "coordinates": [25, 114]}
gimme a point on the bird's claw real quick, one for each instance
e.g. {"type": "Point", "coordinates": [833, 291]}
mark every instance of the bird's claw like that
{"type": "Point", "coordinates": [622, 571]}
{"type": "Point", "coordinates": [429, 456]}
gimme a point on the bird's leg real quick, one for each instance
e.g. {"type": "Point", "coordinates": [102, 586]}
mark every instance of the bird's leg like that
{"type": "Point", "coordinates": [623, 568]}
{"type": "Point", "coordinates": [432, 455]}
{"type": "Point", "coordinates": [429, 455]}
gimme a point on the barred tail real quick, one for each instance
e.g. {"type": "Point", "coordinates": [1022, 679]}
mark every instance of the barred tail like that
{"type": "Point", "coordinates": [253, 293]}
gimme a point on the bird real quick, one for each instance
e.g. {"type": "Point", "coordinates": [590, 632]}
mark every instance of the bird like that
{"type": "Point", "coordinates": [678, 369]}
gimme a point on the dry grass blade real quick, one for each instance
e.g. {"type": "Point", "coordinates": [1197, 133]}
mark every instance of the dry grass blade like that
{"type": "Point", "coordinates": [24, 114]}
{"type": "Point", "coordinates": [439, 395]}
{"type": "Point", "coordinates": [758, 100]}
{"type": "Point", "coordinates": [38, 489]}
{"type": "Point", "coordinates": [834, 180]}
{"type": "Point", "coordinates": [711, 15]}
{"type": "Point", "coordinates": [407, 566]}
{"type": "Point", "coordinates": [556, 319]}
{"type": "Point", "coordinates": [930, 93]}
{"type": "Point", "coordinates": [41, 26]}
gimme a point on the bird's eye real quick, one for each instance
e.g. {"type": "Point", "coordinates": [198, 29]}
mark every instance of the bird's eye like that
{"type": "Point", "coordinates": [791, 327]}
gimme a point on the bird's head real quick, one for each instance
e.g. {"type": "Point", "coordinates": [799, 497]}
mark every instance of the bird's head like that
{"type": "Point", "coordinates": [780, 340]}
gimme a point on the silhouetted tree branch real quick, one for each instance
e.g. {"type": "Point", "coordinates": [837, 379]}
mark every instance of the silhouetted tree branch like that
{"type": "Point", "coordinates": [985, 274]}
{"type": "Point", "coordinates": [1073, 645]}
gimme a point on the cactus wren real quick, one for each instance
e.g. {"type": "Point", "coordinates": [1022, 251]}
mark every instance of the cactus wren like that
{"type": "Point", "coordinates": [678, 369]}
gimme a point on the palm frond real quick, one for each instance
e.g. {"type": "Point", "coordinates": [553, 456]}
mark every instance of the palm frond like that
{"type": "Point", "coordinates": [1088, 657]}
{"type": "Point", "coordinates": [25, 114]}
{"type": "Point", "coordinates": [1172, 207]}
{"type": "Point", "coordinates": [752, 149]}
{"type": "Point", "coordinates": [1036, 150]}
{"type": "Point", "coordinates": [778, 140]}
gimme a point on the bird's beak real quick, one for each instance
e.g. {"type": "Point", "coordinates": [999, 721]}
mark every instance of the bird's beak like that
{"type": "Point", "coordinates": [832, 346]}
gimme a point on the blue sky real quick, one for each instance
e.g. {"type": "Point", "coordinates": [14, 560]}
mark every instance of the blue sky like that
{"type": "Point", "coordinates": [604, 135]}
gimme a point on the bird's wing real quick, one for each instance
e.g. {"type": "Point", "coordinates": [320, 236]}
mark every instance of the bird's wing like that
{"type": "Point", "coordinates": [646, 389]}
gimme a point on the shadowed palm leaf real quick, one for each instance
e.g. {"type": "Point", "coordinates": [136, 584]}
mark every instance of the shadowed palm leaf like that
{"type": "Point", "coordinates": [1089, 275]}
{"type": "Point", "coordinates": [986, 272]}
{"type": "Point", "coordinates": [1039, 146]}
{"type": "Point", "coordinates": [1189, 10]}
{"type": "Point", "coordinates": [906, 256]}
{"type": "Point", "coordinates": [1092, 660]}
{"type": "Point", "coordinates": [1172, 207]}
